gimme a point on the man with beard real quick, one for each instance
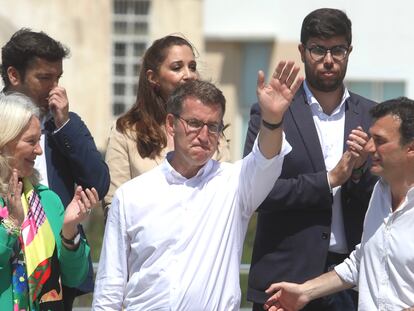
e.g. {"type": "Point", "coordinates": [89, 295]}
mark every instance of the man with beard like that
{"type": "Point", "coordinates": [313, 217]}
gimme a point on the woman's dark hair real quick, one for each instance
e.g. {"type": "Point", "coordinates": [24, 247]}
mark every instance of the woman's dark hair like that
{"type": "Point", "coordinates": [147, 116]}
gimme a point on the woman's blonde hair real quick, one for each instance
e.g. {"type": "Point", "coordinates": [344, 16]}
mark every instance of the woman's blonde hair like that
{"type": "Point", "coordinates": [16, 110]}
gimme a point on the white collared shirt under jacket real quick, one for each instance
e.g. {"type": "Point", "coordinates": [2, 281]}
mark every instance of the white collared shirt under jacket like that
{"type": "Point", "coordinates": [383, 264]}
{"type": "Point", "coordinates": [173, 243]}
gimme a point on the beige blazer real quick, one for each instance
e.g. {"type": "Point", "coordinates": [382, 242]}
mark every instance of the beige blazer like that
{"type": "Point", "coordinates": [125, 163]}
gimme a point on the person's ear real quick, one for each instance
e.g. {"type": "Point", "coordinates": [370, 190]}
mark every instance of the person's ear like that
{"type": "Point", "coordinates": [302, 52]}
{"type": "Point", "coordinates": [14, 76]}
{"type": "Point", "coordinates": [152, 78]}
{"type": "Point", "coordinates": [410, 149]}
{"type": "Point", "coordinates": [350, 49]}
{"type": "Point", "coordinates": [169, 124]}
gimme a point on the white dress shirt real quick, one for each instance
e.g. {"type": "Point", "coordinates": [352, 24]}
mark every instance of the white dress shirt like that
{"type": "Point", "coordinates": [173, 243]}
{"type": "Point", "coordinates": [40, 161]}
{"type": "Point", "coordinates": [382, 266]}
{"type": "Point", "coordinates": [330, 129]}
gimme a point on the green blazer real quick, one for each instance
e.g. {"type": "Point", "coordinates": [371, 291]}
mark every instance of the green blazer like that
{"type": "Point", "coordinates": [73, 264]}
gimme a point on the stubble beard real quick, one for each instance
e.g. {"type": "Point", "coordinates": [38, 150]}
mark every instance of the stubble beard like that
{"type": "Point", "coordinates": [322, 85]}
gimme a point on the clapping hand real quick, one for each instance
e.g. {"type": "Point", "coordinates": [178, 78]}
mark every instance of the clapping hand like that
{"type": "Point", "coordinates": [356, 142]}
{"type": "Point", "coordinates": [79, 209]}
{"type": "Point", "coordinates": [14, 201]}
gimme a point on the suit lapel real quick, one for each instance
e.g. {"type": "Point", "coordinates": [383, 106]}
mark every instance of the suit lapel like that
{"type": "Point", "coordinates": [352, 117]}
{"type": "Point", "coordinates": [303, 120]}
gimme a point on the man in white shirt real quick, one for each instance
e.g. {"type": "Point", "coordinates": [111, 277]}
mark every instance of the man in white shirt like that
{"type": "Point", "coordinates": [382, 266]}
{"type": "Point", "coordinates": [174, 235]}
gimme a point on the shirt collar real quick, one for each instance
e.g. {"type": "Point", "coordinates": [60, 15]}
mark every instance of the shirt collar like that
{"type": "Point", "coordinates": [408, 201]}
{"type": "Point", "coordinates": [175, 177]}
{"type": "Point", "coordinates": [45, 118]}
{"type": "Point", "coordinates": [311, 100]}
{"type": "Point", "coordinates": [386, 197]}
{"type": "Point", "coordinates": [410, 194]}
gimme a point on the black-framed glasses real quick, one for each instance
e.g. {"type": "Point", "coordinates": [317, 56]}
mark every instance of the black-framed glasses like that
{"type": "Point", "coordinates": [318, 52]}
{"type": "Point", "coordinates": [195, 125]}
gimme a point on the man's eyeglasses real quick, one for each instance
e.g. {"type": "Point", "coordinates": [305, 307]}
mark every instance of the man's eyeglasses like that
{"type": "Point", "coordinates": [337, 52]}
{"type": "Point", "coordinates": [195, 125]}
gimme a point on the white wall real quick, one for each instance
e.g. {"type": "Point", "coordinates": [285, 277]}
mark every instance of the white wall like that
{"type": "Point", "coordinates": [383, 36]}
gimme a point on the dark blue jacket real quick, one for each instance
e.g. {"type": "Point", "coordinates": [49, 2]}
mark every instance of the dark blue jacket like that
{"type": "Point", "coordinates": [73, 159]}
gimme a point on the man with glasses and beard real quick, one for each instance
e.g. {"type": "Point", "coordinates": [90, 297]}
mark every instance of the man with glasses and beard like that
{"type": "Point", "coordinates": [313, 217]}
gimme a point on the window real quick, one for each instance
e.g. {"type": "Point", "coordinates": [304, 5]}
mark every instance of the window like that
{"type": "Point", "coordinates": [139, 49]}
{"type": "Point", "coordinates": [129, 42]}
{"type": "Point", "coordinates": [136, 69]}
{"type": "Point", "coordinates": [131, 6]}
{"type": "Point", "coordinates": [118, 108]}
{"type": "Point", "coordinates": [377, 90]}
{"type": "Point", "coordinates": [140, 28]}
{"type": "Point", "coordinates": [119, 89]}
{"type": "Point", "coordinates": [119, 70]}
{"type": "Point", "coordinates": [120, 49]}
{"type": "Point", "coordinates": [255, 57]}
{"type": "Point", "coordinates": [120, 27]}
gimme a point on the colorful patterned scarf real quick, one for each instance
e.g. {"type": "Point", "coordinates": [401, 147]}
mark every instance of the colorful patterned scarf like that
{"type": "Point", "coordinates": [35, 265]}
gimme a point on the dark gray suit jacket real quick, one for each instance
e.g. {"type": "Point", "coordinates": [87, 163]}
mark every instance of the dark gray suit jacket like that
{"type": "Point", "coordinates": [294, 222]}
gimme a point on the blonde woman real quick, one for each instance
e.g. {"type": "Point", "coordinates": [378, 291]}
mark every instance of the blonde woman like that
{"type": "Point", "coordinates": [40, 245]}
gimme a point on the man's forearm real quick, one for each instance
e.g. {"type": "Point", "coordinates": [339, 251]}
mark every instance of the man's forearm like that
{"type": "Point", "coordinates": [323, 285]}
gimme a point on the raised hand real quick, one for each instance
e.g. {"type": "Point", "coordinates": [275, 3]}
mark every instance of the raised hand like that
{"type": "Point", "coordinates": [275, 97]}
{"type": "Point", "coordinates": [79, 209]}
{"type": "Point", "coordinates": [59, 105]}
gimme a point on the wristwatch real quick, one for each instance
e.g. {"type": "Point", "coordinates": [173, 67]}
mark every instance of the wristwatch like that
{"type": "Point", "coordinates": [73, 241]}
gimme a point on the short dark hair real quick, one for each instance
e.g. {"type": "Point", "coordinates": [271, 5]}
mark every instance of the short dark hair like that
{"type": "Point", "coordinates": [205, 91]}
{"type": "Point", "coordinates": [401, 107]}
{"type": "Point", "coordinates": [24, 46]}
{"type": "Point", "coordinates": [326, 23]}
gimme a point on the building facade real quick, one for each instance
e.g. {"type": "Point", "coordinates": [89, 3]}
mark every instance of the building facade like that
{"type": "Point", "coordinates": [107, 39]}
{"type": "Point", "coordinates": [234, 39]}
{"type": "Point", "coordinates": [242, 37]}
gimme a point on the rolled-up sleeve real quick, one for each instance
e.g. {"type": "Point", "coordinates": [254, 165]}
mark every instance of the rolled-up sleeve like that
{"type": "Point", "coordinates": [348, 271]}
